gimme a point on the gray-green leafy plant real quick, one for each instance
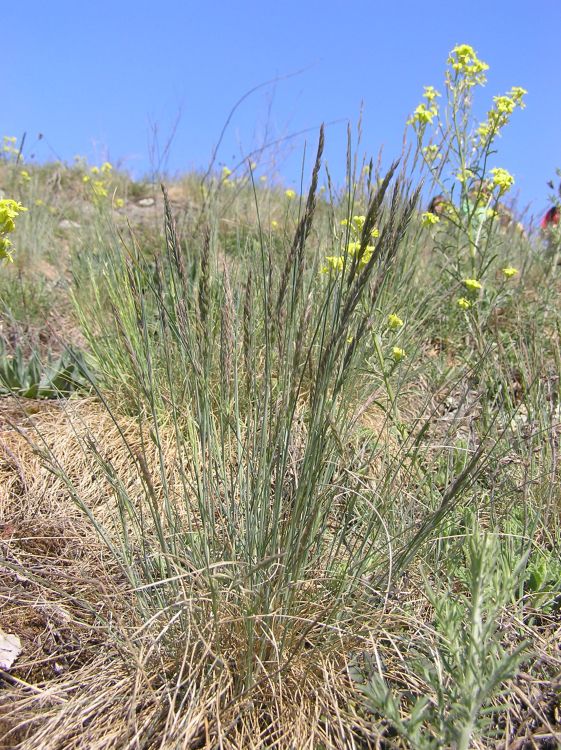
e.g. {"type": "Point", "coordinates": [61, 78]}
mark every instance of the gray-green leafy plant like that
{"type": "Point", "coordinates": [28, 376]}
{"type": "Point", "coordinates": [464, 665]}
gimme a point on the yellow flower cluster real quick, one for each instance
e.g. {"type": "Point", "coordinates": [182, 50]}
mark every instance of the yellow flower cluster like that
{"type": "Point", "coordinates": [290, 194]}
{"type": "Point", "coordinates": [431, 153]}
{"type": "Point", "coordinates": [430, 94]}
{"type": "Point", "coordinates": [356, 225]}
{"type": "Point", "coordinates": [352, 248]}
{"type": "Point", "coordinates": [9, 148]}
{"type": "Point", "coordinates": [499, 116]}
{"type": "Point", "coordinates": [101, 184]}
{"type": "Point", "coordinates": [472, 285]}
{"type": "Point", "coordinates": [9, 211]}
{"type": "Point", "coordinates": [428, 219]}
{"type": "Point", "coordinates": [464, 175]}
{"type": "Point", "coordinates": [398, 354]}
{"type": "Point", "coordinates": [394, 322]}
{"type": "Point", "coordinates": [425, 113]}
{"type": "Point", "coordinates": [509, 272]}
{"type": "Point", "coordinates": [105, 168]}
{"type": "Point", "coordinates": [334, 263]}
{"type": "Point", "coordinates": [502, 179]}
{"type": "Point", "coordinates": [464, 61]}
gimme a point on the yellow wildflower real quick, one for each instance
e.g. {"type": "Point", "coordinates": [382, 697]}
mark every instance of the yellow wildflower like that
{"type": "Point", "coordinates": [464, 303]}
{"type": "Point", "coordinates": [517, 92]}
{"type": "Point", "coordinates": [431, 153]}
{"type": "Point", "coordinates": [25, 176]}
{"type": "Point", "coordinates": [226, 173]}
{"type": "Point", "coordinates": [5, 246]}
{"type": "Point", "coordinates": [428, 219]}
{"type": "Point", "coordinates": [334, 263]}
{"type": "Point", "coordinates": [502, 179]}
{"type": "Point", "coordinates": [119, 203]}
{"type": "Point", "coordinates": [106, 167]}
{"type": "Point", "coordinates": [505, 105]}
{"type": "Point", "coordinates": [99, 188]}
{"type": "Point", "coordinates": [509, 272]}
{"type": "Point", "coordinates": [290, 194]}
{"type": "Point", "coordinates": [394, 322]}
{"type": "Point", "coordinates": [86, 178]}
{"type": "Point", "coordinates": [353, 248]}
{"type": "Point", "coordinates": [423, 116]}
{"type": "Point", "coordinates": [430, 94]}
{"type": "Point", "coordinates": [472, 285]}
{"type": "Point", "coordinates": [484, 130]}
{"type": "Point", "coordinates": [463, 59]}
{"type": "Point", "coordinates": [463, 175]}
{"type": "Point", "coordinates": [367, 254]}
{"type": "Point", "coordinates": [94, 170]}
{"type": "Point", "coordinates": [9, 211]}
{"type": "Point", "coordinates": [398, 354]}
{"type": "Point", "coordinates": [356, 225]}
{"type": "Point", "coordinates": [274, 224]}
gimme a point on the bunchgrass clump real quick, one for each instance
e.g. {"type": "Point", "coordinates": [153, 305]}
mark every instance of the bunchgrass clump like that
{"type": "Point", "coordinates": [318, 470]}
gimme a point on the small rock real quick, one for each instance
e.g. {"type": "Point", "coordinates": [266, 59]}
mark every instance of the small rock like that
{"type": "Point", "coordinates": [146, 202]}
{"type": "Point", "coordinates": [68, 224]}
{"type": "Point", "coordinates": [10, 649]}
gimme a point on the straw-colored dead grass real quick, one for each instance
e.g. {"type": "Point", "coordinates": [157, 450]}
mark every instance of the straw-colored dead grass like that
{"type": "Point", "coordinates": [89, 675]}
{"type": "Point", "coordinates": [93, 675]}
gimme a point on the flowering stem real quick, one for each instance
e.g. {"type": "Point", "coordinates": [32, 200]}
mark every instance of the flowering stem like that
{"type": "Point", "coordinates": [387, 383]}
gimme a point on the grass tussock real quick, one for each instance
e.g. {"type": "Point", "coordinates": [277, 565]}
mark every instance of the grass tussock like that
{"type": "Point", "coordinates": [304, 490]}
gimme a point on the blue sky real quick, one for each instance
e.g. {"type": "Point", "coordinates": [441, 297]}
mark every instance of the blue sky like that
{"type": "Point", "coordinates": [97, 78]}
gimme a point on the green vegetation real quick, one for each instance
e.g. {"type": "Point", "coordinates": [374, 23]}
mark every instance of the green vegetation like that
{"type": "Point", "coordinates": [319, 476]}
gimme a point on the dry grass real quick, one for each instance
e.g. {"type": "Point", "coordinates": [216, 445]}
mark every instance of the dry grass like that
{"type": "Point", "coordinates": [88, 675]}
{"type": "Point", "coordinates": [91, 675]}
